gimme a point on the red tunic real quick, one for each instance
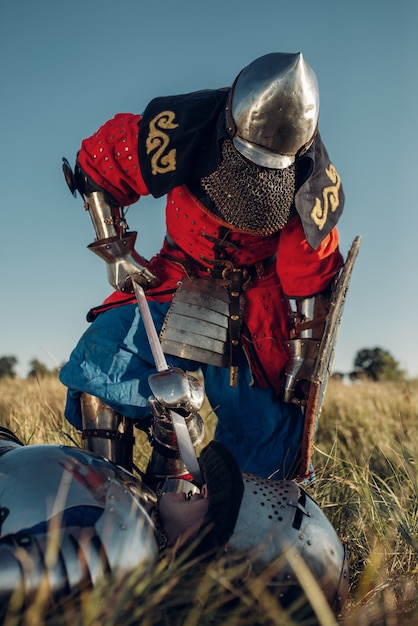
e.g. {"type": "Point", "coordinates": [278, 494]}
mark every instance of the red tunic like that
{"type": "Point", "coordinates": [110, 158]}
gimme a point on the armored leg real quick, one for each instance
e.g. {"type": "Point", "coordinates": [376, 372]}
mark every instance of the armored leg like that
{"type": "Point", "coordinates": [106, 432]}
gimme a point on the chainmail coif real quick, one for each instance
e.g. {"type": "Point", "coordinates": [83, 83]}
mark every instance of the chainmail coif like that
{"type": "Point", "coordinates": [249, 197]}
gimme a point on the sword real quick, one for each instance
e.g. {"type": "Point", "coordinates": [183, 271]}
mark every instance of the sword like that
{"type": "Point", "coordinates": [186, 448]}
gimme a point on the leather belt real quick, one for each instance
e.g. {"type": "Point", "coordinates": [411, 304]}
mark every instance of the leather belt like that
{"type": "Point", "coordinates": [225, 273]}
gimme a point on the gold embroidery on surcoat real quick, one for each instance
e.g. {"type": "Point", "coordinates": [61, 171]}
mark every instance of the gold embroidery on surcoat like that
{"type": "Point", "coordinates": [330, 199]}
{"type": "Point", "coordinates": [163, 160]}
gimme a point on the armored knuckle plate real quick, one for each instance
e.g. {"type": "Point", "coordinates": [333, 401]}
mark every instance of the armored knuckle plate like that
{"type": "Point", "coordinates": [173, 388]}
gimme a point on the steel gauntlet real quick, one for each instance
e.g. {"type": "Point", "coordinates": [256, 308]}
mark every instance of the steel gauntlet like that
{"type": "Point", "coordinates": [173, 389]}
{"type": "Point", "coordinates": [124, 265]}
{"type": "Point", "coordinates": [303, 346]}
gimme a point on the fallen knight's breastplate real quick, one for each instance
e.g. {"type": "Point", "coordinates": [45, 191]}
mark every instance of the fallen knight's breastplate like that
{"type": "Point", "coordinates": [68, 516]}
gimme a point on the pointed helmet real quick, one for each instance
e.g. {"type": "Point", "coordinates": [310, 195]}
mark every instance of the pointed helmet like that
{"type": "Point", "coordinates": [273, 109]}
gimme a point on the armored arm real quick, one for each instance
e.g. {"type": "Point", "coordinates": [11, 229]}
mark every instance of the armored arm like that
{"type": "Point", "coordinates": [113, 243]}
{"type": "Point", "coordinates": [303, 345]}
{"type": "Point", "coordinates": [172, 389]}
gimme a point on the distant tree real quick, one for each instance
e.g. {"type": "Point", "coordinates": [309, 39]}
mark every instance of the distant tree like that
{"type": "Point", "coordinates": [38, 369]}
{"type": "Point", "coordinates": [7, 366]}
{"type": "Point", "coordinates": [377, 364]}
{"type": "Point", "coordinates": [355, 376]}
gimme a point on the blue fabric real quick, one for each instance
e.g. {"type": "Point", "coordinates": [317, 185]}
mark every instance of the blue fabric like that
{"type": "Point", "coordinates": [83, 516]}
{"type": "Point", "coordinates": [262, 432]}
{"type": "Point", "coordinates": [113, 360]}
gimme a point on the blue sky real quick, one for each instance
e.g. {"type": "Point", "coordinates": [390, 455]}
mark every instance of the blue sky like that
{"type": "Point", "coordinates": [66, 67]}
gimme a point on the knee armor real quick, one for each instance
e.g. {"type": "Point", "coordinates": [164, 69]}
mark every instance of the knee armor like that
{"type": "Point", "coordinates": [106, 432]}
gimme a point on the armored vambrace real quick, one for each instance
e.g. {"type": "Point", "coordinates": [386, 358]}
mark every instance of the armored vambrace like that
{"type": "Point", "coordinates": [114, 244]}
{"type": "Point", "coordinates": [303, 346]}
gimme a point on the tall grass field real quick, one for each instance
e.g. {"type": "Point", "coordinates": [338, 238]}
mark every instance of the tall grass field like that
{"type": "Point", "coordinates": [366, 456]}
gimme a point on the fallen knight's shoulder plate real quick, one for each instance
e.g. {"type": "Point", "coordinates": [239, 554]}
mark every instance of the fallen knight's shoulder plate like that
{"type": "Point", "coordinates": [322, 368]}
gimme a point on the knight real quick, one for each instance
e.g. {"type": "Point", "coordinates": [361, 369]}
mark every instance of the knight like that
{"type": "Point", "coordinates": [69, 518]}
{"type": "Point", "coordinates": [240, 289]}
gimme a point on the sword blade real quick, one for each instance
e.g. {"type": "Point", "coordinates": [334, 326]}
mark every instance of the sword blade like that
{"type": "Point", "coordinates": [186, 448]}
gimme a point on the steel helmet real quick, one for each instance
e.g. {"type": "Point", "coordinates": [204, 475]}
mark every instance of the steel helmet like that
{"type": "Point", "coordinates": [278, 520]}
{"type": "Point", "coordinates": [273, 109]}
{"type": "Point", "coordinates": [268, 522]}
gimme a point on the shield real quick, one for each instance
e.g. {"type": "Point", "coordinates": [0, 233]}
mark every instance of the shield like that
{"type": "Point", "coordinates": [325, 358]}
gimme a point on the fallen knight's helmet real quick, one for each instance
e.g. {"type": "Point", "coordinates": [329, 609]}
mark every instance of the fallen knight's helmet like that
{"type": "Point", "coordinates": [272, 522]}
{"type": "Point", "coordinates": [273, 109]}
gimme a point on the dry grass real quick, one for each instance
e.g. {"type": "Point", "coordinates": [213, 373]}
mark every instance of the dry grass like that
{"type": "Point", "coordinates": [367, 483]}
